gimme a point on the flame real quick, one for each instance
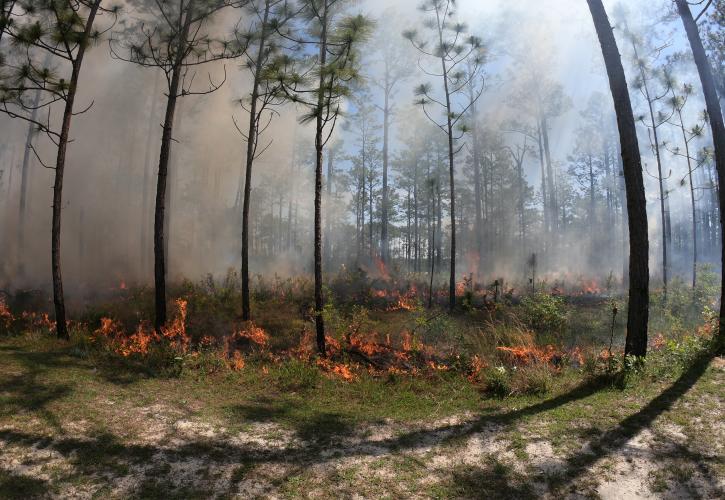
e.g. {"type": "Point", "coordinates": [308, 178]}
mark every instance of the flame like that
{"type": "Point", "coordinates": [477, 366]}
{"type": "Point", "coordinates": [369, 348]}
{"type": "Point", "coordinates": [237, 362]}
{"type": "Point", "coordinates": [5, 315]}
{"type": "Point", "coordinates": [590, 287]}
{"type": "Point", "coordinates": [529, 354]}
{"type": "Point", "coordinates": [407, 342]}
{"type": "Point", "coordinates": [122, 285]}
{"type": "Point", "coordinates": [341, 369]}
{"type": "Point", "coordinates": [659, 341]}
{"type": "Point", "coordinates": [382, 269]}
{"type": "Point", "coordinates": [144, 337]}
{"type": "Point", "coordinates": [38, 321]}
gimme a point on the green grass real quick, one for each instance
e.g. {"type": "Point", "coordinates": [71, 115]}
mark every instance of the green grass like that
{"type": "Point", "coordinates": [98, 417]}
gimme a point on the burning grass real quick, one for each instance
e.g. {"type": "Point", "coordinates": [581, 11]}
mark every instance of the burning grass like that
{"type": "Point", "coordinates": [377, 328]}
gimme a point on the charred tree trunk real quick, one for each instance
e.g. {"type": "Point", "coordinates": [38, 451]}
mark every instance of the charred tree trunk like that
{"type": "Point", "coordinates": [164, 155]}
{"type": "Point", "coordinates": [319, 145]}
{"type": "Point", "coordinates": [638, 311]}
{"type": "Point", "coordinates": [451, 171]}
{"type": "Point", "coordinates": [58, 298]}
{"type": "Point", "coordinates": [718, 130]}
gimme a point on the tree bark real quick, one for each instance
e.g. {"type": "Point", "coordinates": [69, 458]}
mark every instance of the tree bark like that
{"type": "Point", "coordinates": [718, 132]}
{"type": "Point", "coordinates": [159, 213]}
{"type": "Point", "coordinates": [58, 298]}
{"type": "Point", "coordinates": [638, 311]}
{"type": "Point", "coordinates": [319, 144]}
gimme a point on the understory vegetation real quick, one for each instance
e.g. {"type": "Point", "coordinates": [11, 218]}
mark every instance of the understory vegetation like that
{"type": "Point", "coordinates": [501, 343]}
{"type": "Point", "coordinates": [495, 398]}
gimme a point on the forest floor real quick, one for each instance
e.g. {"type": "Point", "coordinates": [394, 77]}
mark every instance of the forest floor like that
{"type": "Point", "coordinates": [70, 427]}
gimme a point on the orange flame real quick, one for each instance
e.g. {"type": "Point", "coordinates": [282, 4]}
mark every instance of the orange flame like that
{"type": "Point", "coordinates": [382, 269]}
{"type": "Point", "coordinates": [529, 354]}
{"type": "Point", "coordinates": [5, 315]}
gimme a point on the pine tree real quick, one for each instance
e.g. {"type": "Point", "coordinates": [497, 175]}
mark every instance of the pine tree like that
{"type": "Point", "coordinates": [58, 31]}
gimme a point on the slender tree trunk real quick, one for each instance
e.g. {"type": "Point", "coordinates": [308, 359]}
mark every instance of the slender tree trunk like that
{"type": "Point", "coordinates": [660, 179]}
{"type": "Point", "coordinates": [328, 210]}
{"type": "Point", "coordinates": [386, 148]}
{"type": "Point", "coordinates": [451, 173]}
{"type": "Point", "coordinates": [416, 224]}
{"type": "Point", "coordinates": [544, 194]}
{"type": "Point", "coordinates": [553, 205]}
{"type": "Point", "coordinates": [252, 138]}
{"type": "Point", "coordinates": [718, 132]}
{"type": "Point", "coordinates": [164, 155]}
{"type": "Point", "coordinates": [58, 298]}
{"type": "Point", "coordinates": [25, 171]}
{"type": "Point", "coordinates": [638, 311]}
{"type": "Point", "coordinates": [478, 224]}
{"type": "Point", "coordinates": [693, 207]}
{"type": "Point", "coordinates": [319, 144]}
{"type": "Point", "coordinates": [370, 214]}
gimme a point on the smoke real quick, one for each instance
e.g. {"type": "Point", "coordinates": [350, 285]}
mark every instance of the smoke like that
{"type": "Point", "coordinates": [111, 171]}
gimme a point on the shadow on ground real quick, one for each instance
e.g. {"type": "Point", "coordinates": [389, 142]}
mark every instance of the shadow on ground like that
{"type": "Point", "coordinates": [321, 442]}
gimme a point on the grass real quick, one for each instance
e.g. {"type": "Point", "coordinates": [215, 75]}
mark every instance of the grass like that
{"type": "Point", "coordinates": [101, 424]}
{"type": "Point", "coordinates": [80, 418]}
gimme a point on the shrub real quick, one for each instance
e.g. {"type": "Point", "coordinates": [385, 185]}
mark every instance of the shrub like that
{"type": "Point", "coordinates": [535, 379]}
{"type": "Point", "coordinates": [544, 313]}
{"type": "Point", "coordinates": [497, 381]}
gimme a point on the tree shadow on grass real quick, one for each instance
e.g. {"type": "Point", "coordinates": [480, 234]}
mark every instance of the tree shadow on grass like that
{"type": "Point", "coordinates": [612, 440]}
{"type": "Point", "coordinates": [15, 486]}
{"type": "Point", "coordinates": [106, 455]}
{"type": "Point", "coordinates": [317, 428]}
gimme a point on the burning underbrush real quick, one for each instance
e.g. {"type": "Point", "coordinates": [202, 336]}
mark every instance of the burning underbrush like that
{"type": "Point", "coordinates": [377, 328]}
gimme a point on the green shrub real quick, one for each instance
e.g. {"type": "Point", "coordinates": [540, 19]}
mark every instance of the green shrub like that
{"type": "Point", "coordinates": [497, 381]}
{"type": "Point", "coordinates": [545, 313]}
{"type": "Point", "coordinates": [535, 379]}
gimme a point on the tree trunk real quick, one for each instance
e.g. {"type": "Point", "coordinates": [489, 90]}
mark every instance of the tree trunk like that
{"type": "Point", "coordinates": [451, 176]}
{"type": "Point", "coordinates": [159, 213]}
{"type": "Point", "coordinates": [319, 144]}
{"type": "Point", "coordinates": [386, 148]}
{"type": "Point", "coordinates": [252, 137]}
{"type": "Point", "coordinates": [25, 171]}
{"type": "Point", "coordinates": [553, 205]}
{"type": "Point", "coordinates": [544, 194]}
{"type": "Point", "coordinates": [718, 132]}
{"type": "Point", "coordinates": [477, 186]}
{"type": "Point", "coordinates": [638, 311]}
{"type": "Point", "coordinates": [58, 298]}
{"type": "Point", "coordinates": [328, 210]}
